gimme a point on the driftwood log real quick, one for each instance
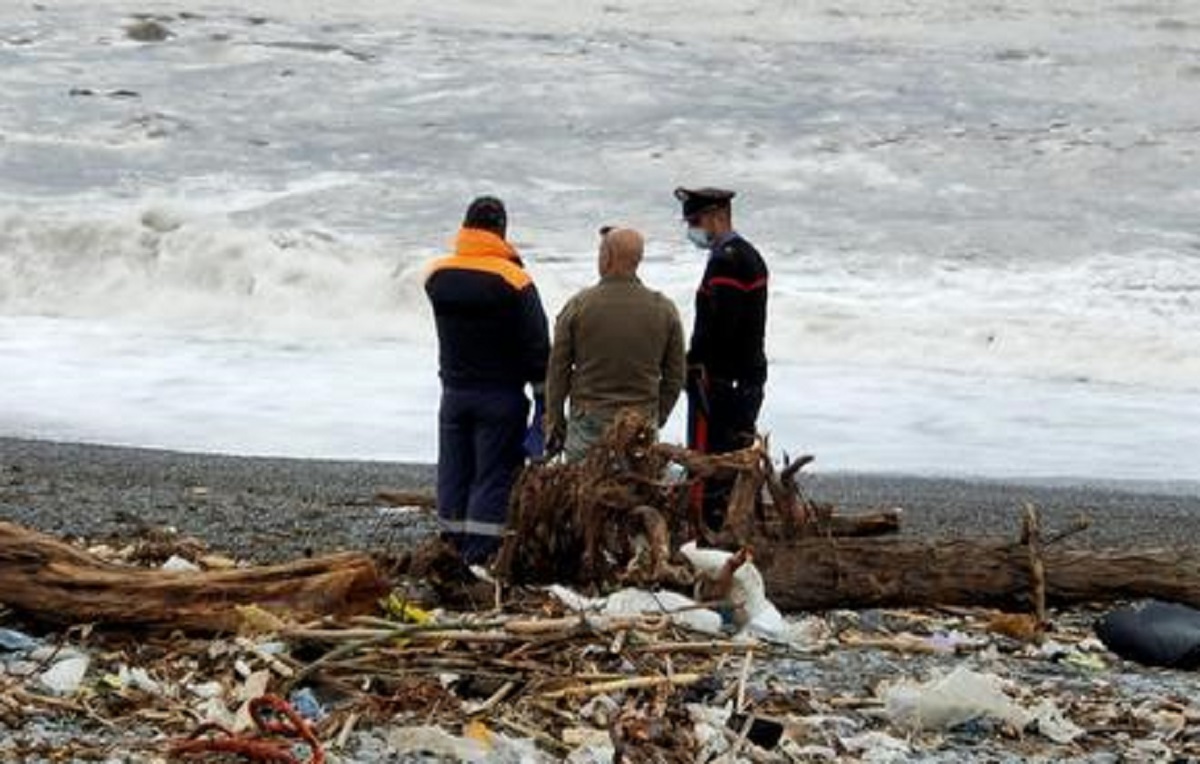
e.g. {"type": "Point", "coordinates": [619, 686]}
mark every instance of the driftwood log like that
{"type": "Point", "coordinates": [54, 582]}
{"type": "Point", "coordinates": [820, 574]}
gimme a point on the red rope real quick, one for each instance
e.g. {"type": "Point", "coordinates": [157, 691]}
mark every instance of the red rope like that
{"type": "Point", "coordinates": [278, 724]}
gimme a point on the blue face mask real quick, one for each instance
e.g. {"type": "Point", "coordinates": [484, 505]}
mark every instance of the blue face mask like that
{"type": "Point", "coordinates": [699, 237]}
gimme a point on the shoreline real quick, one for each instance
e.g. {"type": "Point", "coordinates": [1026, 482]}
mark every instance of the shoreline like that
{"type": "Point", "coordinates": [274, 508]}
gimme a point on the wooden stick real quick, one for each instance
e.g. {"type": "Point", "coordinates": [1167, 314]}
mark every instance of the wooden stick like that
{"type": "Point", "coordinates": [493, 699]}
{"type": "Point", "coordinates": [740, 704]}
{"type": "Point", "coordinates": [633, 683]}
{"type": "Point", "coordinates": [1037, 566]}
{"type": "Point", "coordinates": [422, 499]}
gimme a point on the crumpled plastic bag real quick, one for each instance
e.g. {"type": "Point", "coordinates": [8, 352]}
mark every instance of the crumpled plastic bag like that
{"type": "Point", "coordinates": [16, 641]}
{"type": "Point", "coordinates": [65, 676]}
{"type": "Point", "coordinates": [959, 697]}
{"type": "Point", "coordinates": [681, 609]}
{"type": "Point", "coordinates": [1050, 722]}
{"type": "Point", "coordinates": [749, 590]}
{"type": "Point", "coordinates": [478, 744]}
{"type": "Point", "coordinates": [1153, 633]}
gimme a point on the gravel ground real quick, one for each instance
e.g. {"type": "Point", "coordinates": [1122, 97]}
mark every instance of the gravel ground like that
{"type": "Point", "coordinates": [269, 509]}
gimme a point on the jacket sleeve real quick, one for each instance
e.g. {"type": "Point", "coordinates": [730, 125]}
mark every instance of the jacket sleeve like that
{"type": "Point", "coordinates": [719, 308]}
{"type": "Point", "coordinates": [673, 371]}
{"type": "Point", "coordinates": [558, 375]}
{"type": "Point", "coordinates": [535, 336]}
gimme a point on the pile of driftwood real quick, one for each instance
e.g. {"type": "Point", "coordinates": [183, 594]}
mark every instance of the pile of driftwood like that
{"type": "Point", "coordinates": [614, 519]}
{"type": "Point", "coordinates": [617, 515]}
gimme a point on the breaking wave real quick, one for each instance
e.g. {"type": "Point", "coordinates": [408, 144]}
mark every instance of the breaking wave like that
{"type": "Point", "coordinates": [203, 274]}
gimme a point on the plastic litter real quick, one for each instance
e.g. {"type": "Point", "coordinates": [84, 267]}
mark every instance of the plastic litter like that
{"type": "Point", "coordinates": [1153, 633]}
{"type": "Point", "coordinates": [307, 705]}
{"type": "Point", "coordinates": [748, 592]}
{"type": "Point", "coordinates": [707, 724]}
{"type": "Point", "coordinates": [177, 564]}
{"type": "Point", "coordinates": [1050, 722]}
{"type": "Point", "coordinates": [492, 748]}
{"type": "Point", "coordinates": [877, 747]}
{"type": "Point", "coordinates": [136, 678]}
{"type": "Point", "coordinates": [682, 610]}
{"type": "Point", "coordinates": [17, 641]}
{"type": "Point", "coordinates": [955, 699]}
{"type": "Point", "coordinates": [65, 677]}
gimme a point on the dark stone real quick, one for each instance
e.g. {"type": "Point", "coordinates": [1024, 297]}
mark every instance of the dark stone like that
{"type": "Point", "coordinates": [764, 733]}
{"type": "Point", "coordinates": [148, 30]}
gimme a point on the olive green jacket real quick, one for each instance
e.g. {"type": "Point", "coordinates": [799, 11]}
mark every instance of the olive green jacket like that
{"type": "Point", "coordinates": [616, 345]}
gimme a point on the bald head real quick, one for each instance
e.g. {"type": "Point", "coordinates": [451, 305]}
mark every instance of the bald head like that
{"type": "Point", "coordinates": [620, 252]}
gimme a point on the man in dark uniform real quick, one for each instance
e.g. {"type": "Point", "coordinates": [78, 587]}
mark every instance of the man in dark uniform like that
{"type": "Point", "coordinates": [727, 366]}
{"type": "Point", "coordinates": [492, 341]}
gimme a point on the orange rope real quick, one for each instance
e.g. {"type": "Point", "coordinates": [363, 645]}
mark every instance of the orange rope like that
{"type": "Point", "coordinates": [278, 724]}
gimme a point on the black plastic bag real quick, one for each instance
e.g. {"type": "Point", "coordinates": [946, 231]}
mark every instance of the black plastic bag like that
{"type": "Point", "coordinates": [1154, 634]}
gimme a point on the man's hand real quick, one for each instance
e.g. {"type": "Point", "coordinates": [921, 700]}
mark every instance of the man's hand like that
{"type": "Point", "coordinates": [535, 438]}
{"type": "Point", "coordinates": [556, 436]}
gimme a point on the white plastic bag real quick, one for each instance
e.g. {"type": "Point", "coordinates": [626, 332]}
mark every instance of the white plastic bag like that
{"type": "Point", "coordinates": [955, 699]}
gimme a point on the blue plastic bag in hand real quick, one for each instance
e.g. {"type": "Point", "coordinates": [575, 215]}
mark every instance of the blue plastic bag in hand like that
{"type": "Point", "coordinates": [535, 436]}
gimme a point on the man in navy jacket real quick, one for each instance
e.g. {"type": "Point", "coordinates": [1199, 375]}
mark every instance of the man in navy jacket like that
{"type": "Point", "coordinates": [492, 341]}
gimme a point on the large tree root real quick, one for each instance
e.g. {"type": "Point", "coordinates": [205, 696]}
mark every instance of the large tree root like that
{"type": "Point", "coordinates": [53, 582]}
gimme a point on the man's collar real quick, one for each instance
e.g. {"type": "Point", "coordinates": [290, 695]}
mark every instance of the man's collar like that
{"type": "Point", "coordinates": [723, 239]}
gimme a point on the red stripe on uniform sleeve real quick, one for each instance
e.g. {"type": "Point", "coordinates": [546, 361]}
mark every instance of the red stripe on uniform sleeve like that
{"type": "Point", "coordinates": [745, 286]}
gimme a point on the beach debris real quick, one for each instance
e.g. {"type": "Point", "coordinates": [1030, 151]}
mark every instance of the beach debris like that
{"type": "Point", "coordinates": [680, 609]}
{"type": "Point", "coordinates": [66, 675]}
{"type": "Point", "coordinates": [306, 704]}
{"type": "Point", "coordinates": [946, 702]}
{"type": "Point", "coordinates": [540, 680]}
{"type": "Point", "coordinates": [1153, 633]}
{"type": "Point", "coordinates": [552, 674]}
{"type": "Point", "coordinates": [12, 641]}
{"type": "Point", "coordinates": [877, 747]}
{"type": "Point", "coordinates": [279, 727]}
{"type": "Point", "coordinates": [51, 581]}
{"type": "Point", "coordinates": [616, 517]}
{"type": "Point", "coordinates": [1048, 719]}
{"type": "Point", "coordinates": [136, 678]}
{"type": "Point", "coordinates": [476, 744]}
{"type": "Point", "coordinates": [177, 564]}
{"type": "Point", "coordinates": [421, 500]}
{"type": "Point", "coordinates": [736, 580]}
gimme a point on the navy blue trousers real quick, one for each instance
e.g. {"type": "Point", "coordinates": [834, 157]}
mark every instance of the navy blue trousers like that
{"type": "Point", "coordinates": [480, 434]}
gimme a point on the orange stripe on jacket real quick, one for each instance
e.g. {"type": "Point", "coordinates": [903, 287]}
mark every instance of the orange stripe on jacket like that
{"type": "Point", "coordinates": [484, 252]}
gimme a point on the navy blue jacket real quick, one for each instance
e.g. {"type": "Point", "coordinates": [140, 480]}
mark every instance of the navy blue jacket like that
{"type": "Point", "coordinates": [492, 330]}
{"type": "Point", "coordinates": [731, 314]}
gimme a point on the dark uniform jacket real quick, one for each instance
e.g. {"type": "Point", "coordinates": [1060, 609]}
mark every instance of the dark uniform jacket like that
{"type": "Point", "coordinates": [731, 314]}
{"type": "Point", "coordinates": [491, 328]}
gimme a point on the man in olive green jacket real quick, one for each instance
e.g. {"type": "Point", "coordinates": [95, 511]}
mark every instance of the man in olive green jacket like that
{"type": "Point", "coordinates": [617, 345]}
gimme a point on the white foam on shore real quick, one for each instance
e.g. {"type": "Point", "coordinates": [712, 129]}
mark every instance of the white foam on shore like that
{"type": "Point", "coordinates": [70, 380]}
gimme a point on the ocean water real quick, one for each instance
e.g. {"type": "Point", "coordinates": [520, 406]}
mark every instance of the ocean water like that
{"type": "Point", "coordinates": [980, 217]}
